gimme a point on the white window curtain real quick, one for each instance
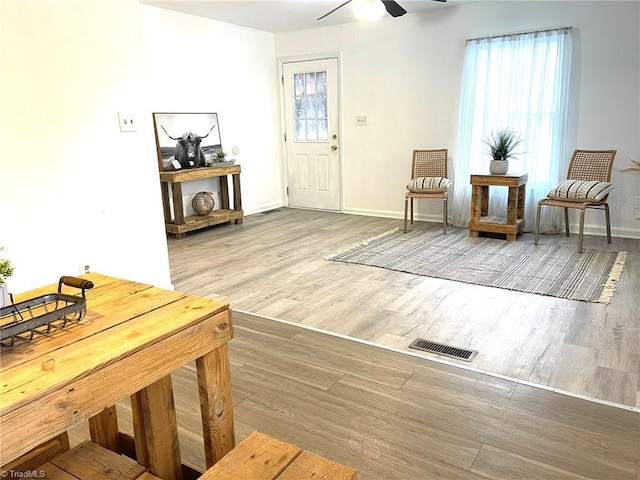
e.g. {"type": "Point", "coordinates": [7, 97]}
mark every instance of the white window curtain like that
{"type": "Point", "coordinates": [518, 81]}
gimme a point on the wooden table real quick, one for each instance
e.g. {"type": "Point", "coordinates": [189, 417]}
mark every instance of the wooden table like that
{"type": "Point", "coordinates": [133, 336]}
{"type": "Point", "coordinates": [481, 221]}
{"type": "Point", "coordinates": [179, 225]}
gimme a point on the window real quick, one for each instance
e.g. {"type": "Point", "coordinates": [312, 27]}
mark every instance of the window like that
{"type": "Point", "coordinates": [517, 81]}
{"type": "Point", "coordinates": [311, 106]}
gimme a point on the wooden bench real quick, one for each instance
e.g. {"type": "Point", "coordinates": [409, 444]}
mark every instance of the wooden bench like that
{"type": "Point", "coordinates": [260, 457]}
{"type": "Point", "coordinates": [88, 461]}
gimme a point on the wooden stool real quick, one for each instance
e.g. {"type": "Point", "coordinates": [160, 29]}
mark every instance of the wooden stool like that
{"type": "Point", "coordinates": [260, 457]}
{"type": "Point", "coordinates": [90, 461]}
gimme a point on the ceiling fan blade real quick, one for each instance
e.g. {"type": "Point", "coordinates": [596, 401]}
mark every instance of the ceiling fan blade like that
{"type": "Point", "coordinates": [329, 13]}
{"type": "Point", "coordinates": [393, 8]}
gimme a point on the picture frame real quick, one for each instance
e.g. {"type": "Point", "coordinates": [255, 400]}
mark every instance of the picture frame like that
{"type": "Point", "coordinates": [186, 140]}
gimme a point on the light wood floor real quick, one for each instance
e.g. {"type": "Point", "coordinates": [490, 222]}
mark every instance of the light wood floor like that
{"type": "Point", "coordinates": [398, 417]}
{"type": "Point", "coordinates": [273, 265]}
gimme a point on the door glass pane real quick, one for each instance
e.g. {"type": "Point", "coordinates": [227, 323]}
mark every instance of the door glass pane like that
{"type": "Point", "coordinates": [322, 106]}
{"type": "Point", "coordinates": [301, 130]}
{"type": "Point", "coordinates": [310, 83]}
{"type": "Point", "coordinates": [310, 106]}
{"type": "Point", "coordinates": [323, 133]}
{"type": "Point", "coordinates": [311, 130]}
{"type": "Point", "coordinates": [321, 82]}
{"type": "Point", "coordinates": [298, 81]}
{"type": "Point", "coordinates": [299, 107]}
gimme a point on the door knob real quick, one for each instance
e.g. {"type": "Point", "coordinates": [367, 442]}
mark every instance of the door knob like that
{"type": "Point", "coordinates": [334, 147]}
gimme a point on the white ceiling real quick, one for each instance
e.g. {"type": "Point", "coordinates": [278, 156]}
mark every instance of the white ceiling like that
{"type": "Point", "coordinates": [283, 15]}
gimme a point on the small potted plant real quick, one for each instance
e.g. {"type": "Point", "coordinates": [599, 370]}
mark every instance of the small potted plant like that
{"type": "Point", "coordinates": [221, 156]}
{"type": "Point", "coordinates": [6, 270]}
{"type": "Point", "coordinates": [501, 145]}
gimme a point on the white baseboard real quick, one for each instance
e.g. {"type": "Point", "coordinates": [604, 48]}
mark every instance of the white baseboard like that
{"type": "Point", "coordinates": [263, 208]}
{"type": "Point", "coordinates": [597, 230]}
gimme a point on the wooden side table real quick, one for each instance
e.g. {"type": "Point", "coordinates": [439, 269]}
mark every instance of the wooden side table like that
{"type": "Point", "coordinates": [179, 225]}
{"type": "Point", "coordinates": [481, 221]}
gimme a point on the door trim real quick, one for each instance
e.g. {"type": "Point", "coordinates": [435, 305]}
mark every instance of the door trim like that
{"type": "Point", "coordinates": [283, 147]}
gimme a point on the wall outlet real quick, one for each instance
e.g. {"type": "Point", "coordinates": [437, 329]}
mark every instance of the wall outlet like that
{"type": "Point", "coordinates": [128, 122]}
{"type": "Point", "coordinates": [361, 121]}
{"type": "Point", "coordinates": [82, 269]}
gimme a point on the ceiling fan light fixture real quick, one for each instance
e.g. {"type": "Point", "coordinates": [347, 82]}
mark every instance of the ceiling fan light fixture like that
{"type": "Point", "coordinates": [370, 10]}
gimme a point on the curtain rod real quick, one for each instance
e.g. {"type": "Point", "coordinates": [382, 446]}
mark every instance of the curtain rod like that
{"type": "Point", "coordinates": [518, 33]}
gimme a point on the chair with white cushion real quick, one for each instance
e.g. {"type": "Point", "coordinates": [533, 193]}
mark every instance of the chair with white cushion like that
{"type": "Point", "coordinates": [428, 180]}
{"type": "Point", "coordinates": [587, 185]}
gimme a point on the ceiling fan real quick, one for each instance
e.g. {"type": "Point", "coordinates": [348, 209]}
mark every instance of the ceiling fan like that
{"type": "Point", "coordinates": [393, 8]}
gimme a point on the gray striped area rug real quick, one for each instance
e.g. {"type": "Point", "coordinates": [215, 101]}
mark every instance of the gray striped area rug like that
{"type": "Point", "coordinates": [553, 270]}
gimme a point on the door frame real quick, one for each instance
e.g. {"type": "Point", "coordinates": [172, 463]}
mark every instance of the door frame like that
{"type": "Point", "coordinates": [283, 147]}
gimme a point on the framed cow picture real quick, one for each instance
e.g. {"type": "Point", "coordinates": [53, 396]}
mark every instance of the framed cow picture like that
{"type": "Point", "coordinates": [186, 140]}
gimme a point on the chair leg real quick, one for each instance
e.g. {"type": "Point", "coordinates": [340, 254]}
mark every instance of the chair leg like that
{"type": "Point", "coordinates": [606, 213]}
{"type": "Point", "coordinates": [581, 235]}
{"type": "Point", "coordinates": [406, 206]}
{"type": "Point", "coordinates": [537, 228]}
{"type": "Point", "coordinates": [566, 221]}
{"type": "Point", "coordinates": [411, 211]}
{"type": "Point", "coordinates": [444, 217]}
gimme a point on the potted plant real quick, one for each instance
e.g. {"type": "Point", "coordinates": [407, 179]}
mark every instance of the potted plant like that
{"type": "Point", "coordinates": [6, 270]}
{"type": "Point", "coordinates": [501, 145]}
{"type": "Point", "coordinates": [221, 156]}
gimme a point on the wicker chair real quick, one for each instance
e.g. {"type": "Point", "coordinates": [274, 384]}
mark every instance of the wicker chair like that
{"type": "Point", "coordinates": [428, 180]}
{"type": "Point", "coordinates": [592, 166]}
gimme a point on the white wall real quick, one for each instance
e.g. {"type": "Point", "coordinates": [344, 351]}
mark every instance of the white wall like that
{"type": "Point", "coordinates": [405, 73]}
{"type": "Point", "coordinates": [196, 64]}
{"type": "Point", "coordinates": [75, 190]}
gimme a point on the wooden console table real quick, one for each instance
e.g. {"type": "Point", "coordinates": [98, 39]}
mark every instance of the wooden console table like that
{"type": "Point", "coordinates": [481, 221]}
{"type": "Point", "coordinates": [179, 225]}
{"type": "Point", "coordinates": [131, 339]}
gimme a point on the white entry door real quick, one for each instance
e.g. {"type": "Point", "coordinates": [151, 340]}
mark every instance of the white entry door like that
{"type": "Point", "coordinates": [310, 92]}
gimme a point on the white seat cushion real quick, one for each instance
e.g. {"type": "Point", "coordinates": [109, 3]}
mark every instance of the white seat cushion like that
{"type": "Point", "coordinates": [581, 190]}
{"type": "Point", "coordinates": [429, 185]}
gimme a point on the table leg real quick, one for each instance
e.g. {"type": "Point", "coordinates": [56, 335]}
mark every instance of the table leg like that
{"type": "Point", "coordinates": [484, 200]}
{"type": "Point", "coordinates": [224, 192]}
{"type": "Point", "coordinates": [161, 429]}
{"type": "Point", "coordinates": [522, 189]}
{"type": "Point", "coordinates": [178, 209]}
{"type": "Point", "coordinates": [166, 206]}
{"type": "Point", "coordinates": [103, 429]}
{"type": "Point", "coordinates": [216, 404]}
{"type": "Point", "coordinates": [237, 195]}
{"type": "Point", "coordinates": [475, 203]}
{"type": "Point", "coordinates": [512, 207]}
{"type": "Point", "coordinates": [139, 436]}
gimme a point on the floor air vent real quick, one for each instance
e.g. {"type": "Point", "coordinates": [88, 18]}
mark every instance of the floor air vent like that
{"type": "Point", "coordinates": [447, 350]}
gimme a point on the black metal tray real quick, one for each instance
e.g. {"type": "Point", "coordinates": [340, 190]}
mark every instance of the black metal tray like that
{"type": "Point", "coordinates": [41, 314]}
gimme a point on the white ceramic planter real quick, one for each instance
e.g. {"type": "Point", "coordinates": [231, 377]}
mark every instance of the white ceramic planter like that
{"type": "Point", "coordinates": [499, 167]}
{"type": "Point", "coordinates": [4, 295]}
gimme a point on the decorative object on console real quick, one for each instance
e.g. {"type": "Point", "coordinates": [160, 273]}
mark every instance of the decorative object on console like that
{"type": "Point", "coordinates": [186, 140]}
{"type": "Point", "coordinates": [6, 270]}
{"type": "Point", "coordinates": [203, 203]}
{"type": "Point", "coordinates": [501, 145]}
